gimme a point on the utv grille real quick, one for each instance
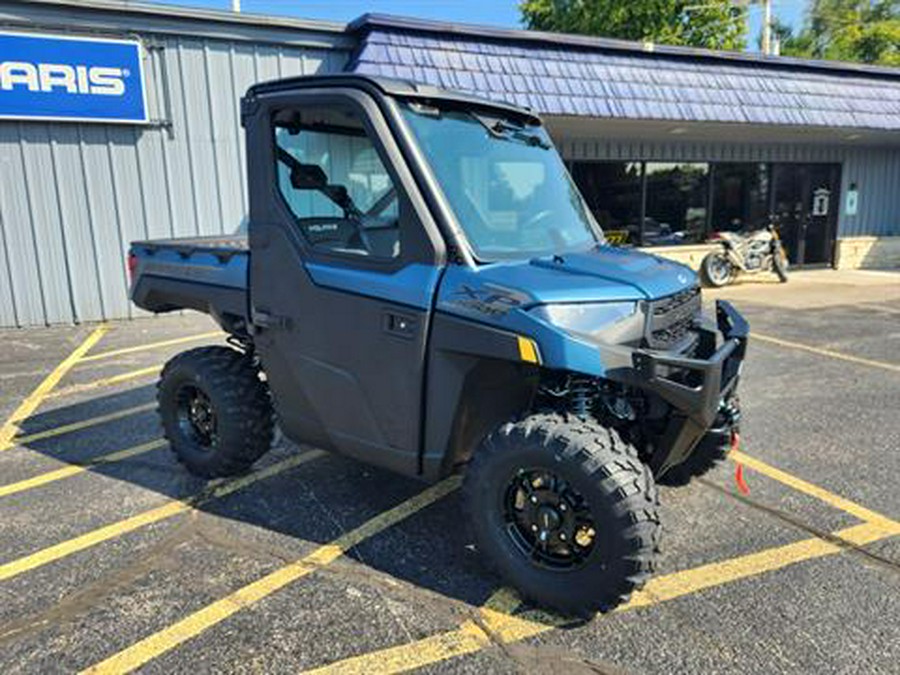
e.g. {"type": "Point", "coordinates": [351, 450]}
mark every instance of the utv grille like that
{"type": "Point", "coordinates": [671, 318]}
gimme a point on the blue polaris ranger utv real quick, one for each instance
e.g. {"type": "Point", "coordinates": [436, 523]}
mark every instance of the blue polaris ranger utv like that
{"type": "Point", "coordinates": [421, 287]}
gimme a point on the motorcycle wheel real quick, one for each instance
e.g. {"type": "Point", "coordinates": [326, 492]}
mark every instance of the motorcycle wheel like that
{"type": "Point", "coordinates": [717, 270]}
{"type": "Point", "coordinates": [780, 265]}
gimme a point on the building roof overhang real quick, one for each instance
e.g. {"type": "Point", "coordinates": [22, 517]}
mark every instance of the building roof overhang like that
{"type": "Point", "coordinates": [586, 77]}
{"type": "Point", "coordinates": [699, 133]}
{"type": "Point", "coordinates": [556, 75]}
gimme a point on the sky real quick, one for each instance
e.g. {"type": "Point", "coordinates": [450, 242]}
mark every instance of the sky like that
{"type": "Point", "coordinates": [503, 13]}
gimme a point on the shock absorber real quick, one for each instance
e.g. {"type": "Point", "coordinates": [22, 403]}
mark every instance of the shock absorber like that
{"type": "Point", "coordinates": [581, 396]}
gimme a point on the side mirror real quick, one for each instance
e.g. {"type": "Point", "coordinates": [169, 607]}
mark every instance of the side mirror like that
{"type": "Point", "coordinates": [312, 177]}
{"type": "Point", "coordinates": [308, 177]}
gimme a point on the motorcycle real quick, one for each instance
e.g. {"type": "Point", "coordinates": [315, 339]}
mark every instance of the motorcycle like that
{"type": "Point", "coordinates": [759, 251]}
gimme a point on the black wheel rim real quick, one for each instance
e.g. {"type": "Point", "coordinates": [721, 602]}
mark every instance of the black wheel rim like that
{"type": "Point", "coordinates": [548, 520]}
{"type": "Point", "coordinates": [196, 417]}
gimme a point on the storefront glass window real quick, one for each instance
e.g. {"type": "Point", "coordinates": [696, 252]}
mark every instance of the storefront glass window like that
{"type": "Point", "coordinates": [740, 197]}
{"type": "Point", "coordinates": [677, 203]}
{"type": "Point", "coordinates": [613, 193]}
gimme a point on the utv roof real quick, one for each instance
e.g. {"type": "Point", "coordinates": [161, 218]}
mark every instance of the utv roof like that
{"type": "Point", "coordinates": [389, 87]}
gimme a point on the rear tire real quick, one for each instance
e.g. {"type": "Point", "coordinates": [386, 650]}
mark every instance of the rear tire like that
{"type": "Point", "coordinates": [215, 411]}
{"type": "Point", "coordinates": [717, 270]}
{"type": "Point", "coordinates": [607, 495]}
{"type": "Point", "coordinates": [780, 265]}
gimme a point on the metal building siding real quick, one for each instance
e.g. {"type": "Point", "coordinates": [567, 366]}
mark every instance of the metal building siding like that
{"type": "Point", "coordinates": [875, 171]}
{"type": "Point", "coordinates": [18, 230]}
{"type": "Point", "coordinates": [72, 196]}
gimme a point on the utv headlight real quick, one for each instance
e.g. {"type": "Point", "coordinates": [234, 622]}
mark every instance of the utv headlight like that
{"type": "Point", "coordinates": [586, 318]}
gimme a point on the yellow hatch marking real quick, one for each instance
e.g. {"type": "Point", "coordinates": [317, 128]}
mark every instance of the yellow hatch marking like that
{"type": "Point", "coordinates": [214, 490]}
{"type": "Point", "coordinates": [806, 487]}
{"type": "Point", "coordinates": [827, 352]}
{"type": "Point", "coordinates": [76, 426]}
{"type": "Point", "coordinates": [75, 469]}
{"type": "Point", "coordinates": [105, 382]}
{"type": "Point", "coordinates": [528, 350]}
{"type": "Point", "coordinates": [159, 643]}
{"type": "Point", "coordinates": [152, 345]}
{"type": "Point", "coordinates": [33, 400]}
{"type": "Point", "coordinates": [500, 627]}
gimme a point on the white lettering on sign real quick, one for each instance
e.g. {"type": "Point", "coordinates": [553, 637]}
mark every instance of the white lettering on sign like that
{"type": "Point", "coordinates": [49, 77]}
{"type": "Point", "coordinates": [18, 72]}
{"type": "Point", "coordinates": [57, 75]}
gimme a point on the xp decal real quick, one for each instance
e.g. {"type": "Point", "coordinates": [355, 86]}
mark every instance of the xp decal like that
{"type": "Point", "coordinates": [488, 299]}
{"type": "Point", "coordinates": [54, 77]}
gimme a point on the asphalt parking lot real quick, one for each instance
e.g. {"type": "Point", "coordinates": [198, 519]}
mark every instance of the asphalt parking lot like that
{"type": "Point", "coordinates": [113, 558]}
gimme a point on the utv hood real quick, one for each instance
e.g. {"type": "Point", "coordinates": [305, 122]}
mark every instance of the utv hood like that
{"type": "Point", "coordinates": [649, 275]}
{"type": "Point", "coordinates": [604, 274]}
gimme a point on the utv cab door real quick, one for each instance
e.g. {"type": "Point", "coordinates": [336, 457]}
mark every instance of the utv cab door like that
{"type": "Point", "coordinates": [344, 266]}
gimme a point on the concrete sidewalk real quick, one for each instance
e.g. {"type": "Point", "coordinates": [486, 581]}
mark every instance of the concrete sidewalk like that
{"type": "Point", "coordinates": [808, 289]}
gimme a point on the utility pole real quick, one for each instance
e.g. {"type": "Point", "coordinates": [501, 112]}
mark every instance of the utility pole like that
{"type": "Point", "coordinates": [235, 5]}
{"type": "Point", "coordinates": [767, 28]}
{"type": "Point", "coordinates": [770, 45]}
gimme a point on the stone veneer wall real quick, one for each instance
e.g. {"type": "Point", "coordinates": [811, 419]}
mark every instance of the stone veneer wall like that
{"type": "Point", "coordinates": [863, 252]}
{"type": "Point", "coordinates": [689, 254]}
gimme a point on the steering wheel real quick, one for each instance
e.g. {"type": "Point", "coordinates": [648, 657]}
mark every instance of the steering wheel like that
{"type": "Point", "coordinates": [380, 206]}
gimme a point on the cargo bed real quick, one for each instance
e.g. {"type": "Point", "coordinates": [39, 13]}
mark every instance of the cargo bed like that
{"type": "Point", "coordinates": [207, 274]}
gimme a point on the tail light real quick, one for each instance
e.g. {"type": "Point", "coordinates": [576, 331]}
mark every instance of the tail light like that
{"type": "Point", "coordinates": [132, 266]}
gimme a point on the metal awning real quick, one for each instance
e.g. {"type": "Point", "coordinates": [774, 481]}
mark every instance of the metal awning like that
{"type": "Point", "coordinates": [613, 79]}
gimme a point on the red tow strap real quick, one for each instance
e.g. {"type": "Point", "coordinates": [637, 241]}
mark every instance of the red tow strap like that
{"type": "Point", "coordinates": [739, 468]}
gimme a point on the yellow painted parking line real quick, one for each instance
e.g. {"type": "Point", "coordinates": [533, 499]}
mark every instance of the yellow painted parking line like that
{"type": "Point", "coordinates": [105, 382]}
{"type": "Point", "coordinates": [75, 469]}
{"type": "Point", "coordinates": [214, 490]}
{"type": "Point", "coordinates": [151, 345]}
{"type": "Point", "coordinates": [33, 400]}
{"type": "Point", "coordinates": [495, 627]}
{"type": "Point", "coordinates": [701, 578]}
{"type": "Point", "coordinates": [77, 426]}
{"type": "Point", "coordinates": [826, 352]}
{"type": "Point", "coordinates": [467, 639]}
{"type": "Point", "coordinates": [161, 642]}
{"type": "Point", "coordinates": [808, 488]}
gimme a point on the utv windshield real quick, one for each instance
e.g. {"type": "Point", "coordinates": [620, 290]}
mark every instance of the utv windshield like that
{"type": "Point", "coordinates": [506, 184]}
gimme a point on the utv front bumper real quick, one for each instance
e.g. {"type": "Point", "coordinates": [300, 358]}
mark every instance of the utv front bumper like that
{"type": "Point", "coordinates": [694, 386]}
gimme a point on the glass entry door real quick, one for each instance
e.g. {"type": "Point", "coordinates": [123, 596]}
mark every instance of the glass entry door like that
{"type": "Point", "coordinates": [805, 203]}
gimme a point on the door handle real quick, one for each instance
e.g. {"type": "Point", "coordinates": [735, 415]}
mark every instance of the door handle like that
{"type": "Point", "coordinates": [264, 319]}
{"type": "Point", "coordinates": [400, 325]}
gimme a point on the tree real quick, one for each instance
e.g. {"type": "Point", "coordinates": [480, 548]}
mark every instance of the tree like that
{"type": "Point", "coordinates": [715, 24]}
{"type": "Point", "coordinates": [866, 31]}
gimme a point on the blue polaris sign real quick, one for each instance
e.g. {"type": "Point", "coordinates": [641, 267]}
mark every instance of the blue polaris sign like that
{"type": "Point", "coordinates": [50, 77]}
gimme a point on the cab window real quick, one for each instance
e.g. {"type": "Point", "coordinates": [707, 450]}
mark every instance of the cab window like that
{"type": "Point", "coordinates": [332, 180]}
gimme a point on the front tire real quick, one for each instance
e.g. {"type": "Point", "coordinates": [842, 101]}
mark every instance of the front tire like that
{"type": "Point", "coordinates": [565, 511]}
{"type": "Point", "coordinates": [215, 411]}
{"type": "Point", "coordinates": [717, 270]}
